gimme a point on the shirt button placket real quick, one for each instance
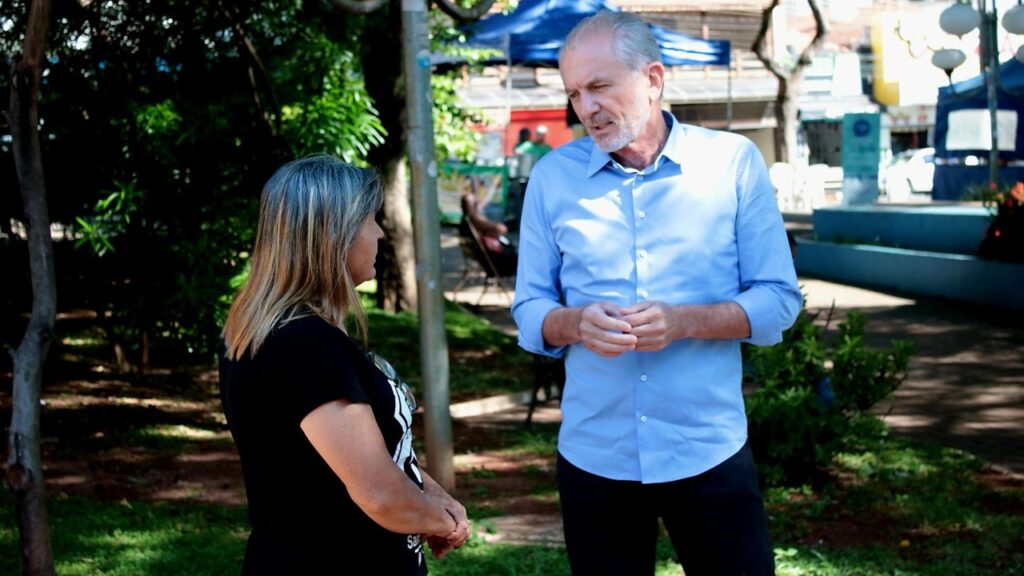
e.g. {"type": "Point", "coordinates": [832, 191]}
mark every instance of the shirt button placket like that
{"type": "Point", "coordinates": [642, 265]}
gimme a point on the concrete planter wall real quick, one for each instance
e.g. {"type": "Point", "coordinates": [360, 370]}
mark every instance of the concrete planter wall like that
{"type": "Point", "coordinates": [927, 250]}
{"type": "Point", "coordinates": [945, 275]}
{"type": "Point", "coordinates": [957, 229]}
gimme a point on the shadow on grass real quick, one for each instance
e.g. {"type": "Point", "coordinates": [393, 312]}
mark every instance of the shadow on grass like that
{"type": "Point", "coordinates": [132, 539]}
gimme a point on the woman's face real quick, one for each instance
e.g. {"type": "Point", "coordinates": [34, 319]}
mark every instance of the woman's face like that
{"type": "Point", "coordinates": [363, 252]}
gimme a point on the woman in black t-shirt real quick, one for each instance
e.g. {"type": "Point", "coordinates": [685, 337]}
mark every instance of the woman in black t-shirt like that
{"type": "Point", "coordinates": [322, 427]}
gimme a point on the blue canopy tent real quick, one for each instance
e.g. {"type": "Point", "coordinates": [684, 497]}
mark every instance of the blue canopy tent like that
{"type": "Point", "coordinates": [533, 34]}
{"type": "Point", "coordinates": [952, 174]}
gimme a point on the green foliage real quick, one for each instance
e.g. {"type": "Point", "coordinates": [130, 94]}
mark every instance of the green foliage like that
{"type": "Point", "coordinates": [338, 117]}
{"type": "Point", "coordinates": [539, 440]}
{"type": "Point", "coordinates": [111, 217]}
{"type": "Point", "coordinates": [453, 138]}
{"type": "Point", "coordinates": [1004, 238]}
{"type": "Point", "coordinates": [861, 376]}
{"type": "Point", "coordinates": [160, 122]}
{"type": "Point", "coordinates": [808, 391]}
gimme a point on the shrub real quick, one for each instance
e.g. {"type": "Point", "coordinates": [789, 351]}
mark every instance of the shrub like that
{"type": "Point", "coordinates": [1004, 237]}
{"type": "Point", "coordinates": [807, 391]}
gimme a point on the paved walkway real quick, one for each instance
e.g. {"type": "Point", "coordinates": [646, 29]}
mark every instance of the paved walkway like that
{"type": "Point", "coordinates": [965, 382]}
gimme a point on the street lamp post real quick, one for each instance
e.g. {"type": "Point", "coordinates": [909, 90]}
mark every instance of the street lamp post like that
{"type": "Point", "coordinates": [961, 18]}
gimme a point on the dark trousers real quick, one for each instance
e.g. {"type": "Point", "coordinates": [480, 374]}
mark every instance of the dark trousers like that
{"type": "Point", "coordinates": [716, 521]}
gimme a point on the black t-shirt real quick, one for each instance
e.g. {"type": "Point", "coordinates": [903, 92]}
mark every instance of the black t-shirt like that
{"type": "Point", "coordinates": [303, 519]}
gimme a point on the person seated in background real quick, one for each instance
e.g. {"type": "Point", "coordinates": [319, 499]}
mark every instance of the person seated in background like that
{"type": "Point", "coordinates": [500, 249]}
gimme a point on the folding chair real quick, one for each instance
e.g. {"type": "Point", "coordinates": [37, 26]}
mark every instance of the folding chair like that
{"type": "Point", "coordinates": [475, 251]}
{"type": "Point", "coordinates": [549, 376]}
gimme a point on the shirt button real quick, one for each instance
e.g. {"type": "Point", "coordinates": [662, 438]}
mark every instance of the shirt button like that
{"type": "Point", "coordinates": [643, 418]}
{"type": "Point", "coordinates": [643, 214]}
{"type": "Point", "coordinates": [642, 294]}
{"type": "Point", "coordinates": [642, 254]}
{"type": "Point", "coordinates": [643, 377]}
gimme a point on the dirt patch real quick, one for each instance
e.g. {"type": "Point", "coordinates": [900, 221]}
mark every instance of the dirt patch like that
{"type": "Point", "coordinates": [163, 438]}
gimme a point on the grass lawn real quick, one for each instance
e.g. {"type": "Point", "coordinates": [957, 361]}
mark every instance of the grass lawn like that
{"type": "Point", "coordinates": [482, 360]}
{"type": "Point", "coordinates": [893, 508]}
{"type": "Point", "coordinates": [143, 479]}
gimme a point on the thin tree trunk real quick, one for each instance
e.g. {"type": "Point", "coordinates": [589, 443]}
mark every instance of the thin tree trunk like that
{"type": "Point", "coordinates": [382, 66]}
{"type": "Point", "coordinates": [24, 465]}
{"type": "Point", "coordinates": [396, 286]}
{"type": "Point", "coordinates": [786, 104]}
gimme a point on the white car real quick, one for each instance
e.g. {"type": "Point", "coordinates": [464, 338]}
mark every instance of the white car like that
{"type": "Point", "coordinates": [909, 172]}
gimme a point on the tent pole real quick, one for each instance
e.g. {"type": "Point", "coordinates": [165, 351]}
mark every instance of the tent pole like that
{"type": "Point", "coordinates": [728, 95]}
{"type": "Point", "coordinates": [990, 71]}
{"type": "Point", "coordinates": [508, 86]}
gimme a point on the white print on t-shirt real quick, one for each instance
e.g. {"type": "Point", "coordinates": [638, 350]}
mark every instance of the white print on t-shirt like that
{"type": "Point", "coordinates": [415, 545]}
{"type": "Point", "coordinates": [404, 456]}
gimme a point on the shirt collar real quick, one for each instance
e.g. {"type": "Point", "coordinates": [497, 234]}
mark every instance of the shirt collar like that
{"type": "Point", "coordinates": [673, 149]}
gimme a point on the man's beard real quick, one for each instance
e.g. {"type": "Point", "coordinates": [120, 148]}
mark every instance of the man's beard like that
{"type": "Point", "coordinates": [623, 137]}
{"type": "Point", "coordinates": [628, 129]}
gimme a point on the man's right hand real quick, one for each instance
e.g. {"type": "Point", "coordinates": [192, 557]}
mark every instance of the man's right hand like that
{"type": "Point", "coordinates": [603, 332]}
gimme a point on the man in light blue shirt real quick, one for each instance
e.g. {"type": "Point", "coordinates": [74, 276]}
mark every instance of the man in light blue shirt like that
{"type": "Point", "coordinates": [648, 252]}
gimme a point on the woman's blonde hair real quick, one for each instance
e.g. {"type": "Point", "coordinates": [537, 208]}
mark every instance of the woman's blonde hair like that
{"type": "Point", "coordinates": [311, 211]}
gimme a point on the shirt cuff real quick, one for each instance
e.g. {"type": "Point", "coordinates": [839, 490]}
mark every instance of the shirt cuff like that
{"type": "Point", "coordinates": [762, 315]}
{"type": "Point", "coordinates": [530, 320]}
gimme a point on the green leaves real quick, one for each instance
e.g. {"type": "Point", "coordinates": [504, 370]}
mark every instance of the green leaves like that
{"type": "Point", "coordinates": [110, 218]}
{"type": "Point", "coordinates": [810, 391]}
{"type": "Point", "coordinates": [334, 115]}
{"type": "Point", "coordinates": [862, 376]}
{"type": "Point", "coordinates": [453, 138]}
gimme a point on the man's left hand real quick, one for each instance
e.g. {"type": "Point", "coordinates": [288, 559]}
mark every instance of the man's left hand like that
{"type": "Point", "coordinates": [655, 324]}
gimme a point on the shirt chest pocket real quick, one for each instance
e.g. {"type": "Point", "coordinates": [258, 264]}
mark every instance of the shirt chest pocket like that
{"type": "Point", "coordinates": [695, 252]}
{"type": "Point", "coordinates": [597, 252]}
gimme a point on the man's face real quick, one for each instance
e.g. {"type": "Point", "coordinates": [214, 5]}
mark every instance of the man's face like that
{"type": "Point", "coordinates": [612, 101]}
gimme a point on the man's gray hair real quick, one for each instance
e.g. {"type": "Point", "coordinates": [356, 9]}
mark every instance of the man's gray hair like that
{"type": "Point", "coordinates": [632, 39]}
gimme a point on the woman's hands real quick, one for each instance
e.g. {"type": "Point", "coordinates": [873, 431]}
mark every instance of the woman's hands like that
{"type": "Point", "coordinates": [440, 546]}
{"type": "Point", "coordinates": [347, 437]}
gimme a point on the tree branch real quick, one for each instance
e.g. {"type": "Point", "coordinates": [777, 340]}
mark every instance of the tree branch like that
{"type": "Point", "coordinates": [759, 47]}
{"type": "Point", "coordinates": [451, 8]}
{"type": "Point", "coordinates": [359, 6]}
{"type": "Point", "coordinates": [271, 118]}
{"type": "Point", "coordinates": [820, 31]}
{"type": "Point", "coordinates": [789, 79]}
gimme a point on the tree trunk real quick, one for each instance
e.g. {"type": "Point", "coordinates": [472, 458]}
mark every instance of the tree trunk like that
{"type": "Point", "coordinates": [382, 69]}
{"type": "Point", "coordinates": [396, 285]}
{"type": "Point", "coordinates": [24, 465]}
{"type": "Point", "coordinates": [786, 105]}
{"type": "Point", "coordinates": [786, 108]}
